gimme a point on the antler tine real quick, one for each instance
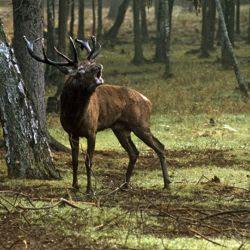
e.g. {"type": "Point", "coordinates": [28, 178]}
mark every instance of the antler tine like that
{"type": "Point", "coordinates": [71, 62]}
{"type": "Point", "coordinates": [93, 39]}
{"type": "Point", "coordinates": [73, 46]}
{"type": "Point", "coordinates": [84, 44]}
{"type": "Point", "coordinates": [97, 52]}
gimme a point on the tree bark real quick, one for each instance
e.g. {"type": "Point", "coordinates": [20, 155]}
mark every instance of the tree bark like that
{"type": "Point", "coordinates": [138, 52]}
{"type": "Point", "coordinates": [93, 17]}
{"type": "Point", "coordinates": [113, 9]}
{"type": "Point", "coordinates": [226, 58]}
{"type": "Point", "coordinates": [161, 33]}
{"type": "Point", "coordinates": [205, 29]}
{"type": "Point", "coordinates": [27, 149]}
{"type": "Point", "coordinates": [28, 21]}
{"type": "Point", "coordinates": [212, 22]}
{"type": "Point", "coordinates": [241, 82]}
{"type": "Point", "coordinates": [248, 31]}
{"type": "Point", "coordinates": [62, 25]}
{"type": "Point", "coordinates": [50, 36]}
{"type": "Point", "coordinates": [237, 28]}
{"type": "Point", "coordinates": [112, 33]}
{"type": "Point", "coordinates": [62, 34]}
{"type": "Point", "coordinates": [144, 26]}
{"type": "Point", "coordinates": [99, 19]}
{"type": "Point", "coordinates": [169, 7]}
{"type": "Point", "coordinates": [81, 20]}
{"type": "Point", "coordinates": [72, 18]}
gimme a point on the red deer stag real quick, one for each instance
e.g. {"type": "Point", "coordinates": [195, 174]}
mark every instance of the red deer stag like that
{"type": "Point", "coordinates": [87, 107]}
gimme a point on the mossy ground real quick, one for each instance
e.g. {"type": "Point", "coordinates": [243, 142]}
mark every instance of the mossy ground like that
{"type": "Point", "coordinates": [207, 206]}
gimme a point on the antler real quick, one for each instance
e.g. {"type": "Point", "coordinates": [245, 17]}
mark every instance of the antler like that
{"type": "Point", "coordinates": [60, 65]}
{"type": "Point", "coordinates": [92, 53]}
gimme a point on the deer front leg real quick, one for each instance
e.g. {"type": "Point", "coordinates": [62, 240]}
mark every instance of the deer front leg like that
{"type": "Point", "coordinates": [74, 143]}
{"type": "Point", "coordinates": [88, 162]}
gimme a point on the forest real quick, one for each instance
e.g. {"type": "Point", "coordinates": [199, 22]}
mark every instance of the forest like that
{"type": "Point", "coordinates": [125, 124]}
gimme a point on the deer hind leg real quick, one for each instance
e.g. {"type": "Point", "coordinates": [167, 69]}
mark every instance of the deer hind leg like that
{"type": "Point", "coordinates": [88, 162]}
{"type": "Point", "coordinates": [146, 136]}
{"type": "Point", "coordinates": [74, 143]}
{"type": "Point", "coordinates": [123, 136]}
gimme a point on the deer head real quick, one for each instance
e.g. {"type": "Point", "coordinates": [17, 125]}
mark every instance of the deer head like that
{"type": "Point", "coordinates": [88, 73]}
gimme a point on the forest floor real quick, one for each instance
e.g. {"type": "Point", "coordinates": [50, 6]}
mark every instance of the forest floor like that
{"type": "Point", "coordinates": [207, 206]}
{"type": "Point", "coordinates": [203, 121]}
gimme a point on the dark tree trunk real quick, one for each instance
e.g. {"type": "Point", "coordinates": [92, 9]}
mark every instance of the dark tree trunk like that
{"type": "Point", "coordinates": [72, 18]}
{"type": "Point", "coordinates": [50, 36]}
{"type": "Point", "coordinates": [99, 19]}
{"type": "Point", "coordinates": [161, 33]}
{"type": "Point", "coordinates": [226, 58]}
{"type": "Point", "coordinates": [241, 82]}
{"type": "Point", "coordinates": [28, 21]}
{"type": "Point", "coordinates": [156, 8]}
{"type": "Point", "coordinates": [237, 28]}
{"type": "Point", "coordinates": [170, 7]}
{"type": "Point", "coordinates": [113, 9]}
{"type": "Point", "coordinates": [111, 34]}
{"type": "Point", "coordinates": [81, 20]}
{"type": "Point", "coordinates": [138, 52]}
{"type": "Point", "coordinates": [144, 26]}
{"type": "Point", "coordinates": [205, 29]}
{"type": "Point", "coordinates": [93, 17]}
{"type": "Point", "coordinates": [169, 11]}
{"type": "Point", "coordinates": [212, 22]}
{"type": "Point", "coordinates": [62, 25]}
{"type": "Point", "coordinates": [72, 22]}
{"type": "Point", "coordinates": [27, 149]}
{"type": "Point", "coordinates": [62, 35]}
{"type": "Point", "coordinates": [248, 31]}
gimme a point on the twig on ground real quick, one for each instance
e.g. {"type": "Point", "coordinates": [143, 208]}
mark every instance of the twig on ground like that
{"type": "Point", "coordinates": [206, 238]}
{"type": "Point", "coordinates": [226, 212]}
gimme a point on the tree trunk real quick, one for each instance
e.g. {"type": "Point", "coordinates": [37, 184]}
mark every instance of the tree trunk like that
{"type": "Point", "coordinates": [212, 21]}
{"type": "Point", "coordinates": [113, 9]}
{"type": "Point", "coordinates": [50, 36]}
{"type": "Point", "coordinates": [28, 21]}
{"type": "Point", "coordinates": [237, 28]}
{"type": "Point", "coordinates": [93, 18]}
{"type": "Point", "coordinates": [144, 26]}
{"type": "Point", "coordinates": [27, 149]}
{"type": "Point", "coordinates": [99, 21]}
{"type": "Point", "coordinates": [226, 58]}
{"type": "Point", "coordinates": [161, 33]}
{"type": "Point", "coordinates": [81, 20]}
{"type": "Point", "coordinates": [239, 77]}
{"type": "Point", "coordinates": [62, 25]}
{"type": "Point", "coordinates": [169, 11]}
{"type": "Point", "coordinates": [156, 8]}
{"type": "Point", "coordinates": [248, 31]}
{"type": "Point", "coordinates": [204, 31]}
{"type": "Point", "coordinates": [138, 53]}
{"type": "Point", "coordinates": [72, 23]}
{"type": "Point", "coordinates": [111, 34]}
{"type": "Point", "coordinates": [72, 18]}
{"type": "Point", "coordinates": [62, 34]}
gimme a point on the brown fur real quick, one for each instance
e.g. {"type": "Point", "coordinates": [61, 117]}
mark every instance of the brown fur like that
{"type": "Point", "coordinates": [122, 109]}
